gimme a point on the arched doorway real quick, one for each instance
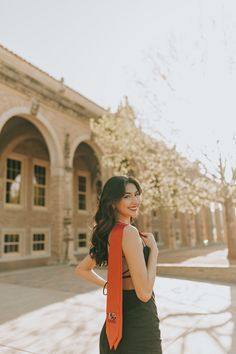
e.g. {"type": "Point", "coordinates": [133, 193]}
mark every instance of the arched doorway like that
{"type": "Point", "coordinates": [25, 210]}
{"type": "Point", "coordinates": [87, 186]}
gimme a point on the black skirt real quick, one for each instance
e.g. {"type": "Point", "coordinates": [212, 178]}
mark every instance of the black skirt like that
{"type": "Point", "coordinates": [141, 333]}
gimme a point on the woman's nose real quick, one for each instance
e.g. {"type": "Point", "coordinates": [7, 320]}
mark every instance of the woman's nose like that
{"type": "Point", "coordinates": [135, 200]}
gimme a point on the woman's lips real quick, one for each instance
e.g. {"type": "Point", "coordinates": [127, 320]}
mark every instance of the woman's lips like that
{"type": "Point", "coordinates": [133, 209]}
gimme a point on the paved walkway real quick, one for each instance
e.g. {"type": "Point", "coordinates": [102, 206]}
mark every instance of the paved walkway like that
{"type": "Point", "coordinates": [215, 254]}
{"type": "Point", "coordinates": [48, 310]}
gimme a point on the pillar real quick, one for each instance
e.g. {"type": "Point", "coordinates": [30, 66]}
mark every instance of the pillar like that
{"type": "Point", "coordinates": [219, 224]}
{"type": "Point", "coordinates": [56, 207]}
{"type": "Point", "coordinates": [230, 228]}
{"type": "Point", "coordinates": [68, 230]}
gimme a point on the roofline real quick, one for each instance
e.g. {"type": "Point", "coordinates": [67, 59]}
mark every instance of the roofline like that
{"type": "Point", "coordinates": [52, 78]}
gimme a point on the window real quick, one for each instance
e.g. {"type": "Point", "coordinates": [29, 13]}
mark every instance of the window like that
{"type": "Point", "coordinates": [11, 244]}
{"type": "Point", "coordinates": [39, 182]}
{"type": "Point", "coordinates": [82, 239]}
{"type": "Point", "coordinates": [157, 237]}
{"type": "Point", "coordinates": [39, 242]}
{"type": "Point", "coordinates": [13, 181]}
{"type": "Point", "coordinates": [99, 188]}
{"type": "Point", "coordinates": [82, 191]}
{"type": "Point", "coordinates": [154, 213]}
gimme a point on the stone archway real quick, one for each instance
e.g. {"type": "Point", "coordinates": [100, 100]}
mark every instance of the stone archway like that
{"type": "Point", "coordinates": [31, 178]}
{"type": "Point", "coordinates": [83, 183]}
{"type": "Point", "coordinates": [85, 138]}
{"type": "Point", "coordinates": [45, 128]}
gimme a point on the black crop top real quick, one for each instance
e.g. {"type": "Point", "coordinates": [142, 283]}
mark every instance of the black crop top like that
{"type": "Point", "coordinates": [146, 255]}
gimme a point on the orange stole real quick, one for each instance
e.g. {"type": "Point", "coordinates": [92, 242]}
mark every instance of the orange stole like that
{"type": "Point", "coordinates": [114, 310]}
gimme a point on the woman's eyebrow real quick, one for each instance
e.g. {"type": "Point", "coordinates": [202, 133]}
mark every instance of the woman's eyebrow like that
{"type": "Point", "coordinates": [130, 192]}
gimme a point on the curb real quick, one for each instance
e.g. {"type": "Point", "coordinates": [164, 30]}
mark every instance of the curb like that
{"type": "Point", "coordinates": [222, 273]}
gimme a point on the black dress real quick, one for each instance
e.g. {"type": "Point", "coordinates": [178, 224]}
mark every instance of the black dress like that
{"type": "Point", "coordinates": [141, 333]}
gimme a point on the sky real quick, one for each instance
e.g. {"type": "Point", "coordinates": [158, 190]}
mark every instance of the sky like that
{"type": "Point", "coordinates": [175, 60]}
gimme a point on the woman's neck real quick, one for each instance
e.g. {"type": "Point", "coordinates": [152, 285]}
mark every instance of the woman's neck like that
{"type": "Point", "coordinates": [123, 221]}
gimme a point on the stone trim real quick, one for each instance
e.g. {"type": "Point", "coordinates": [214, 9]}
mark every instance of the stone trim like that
{"type": "Point", "coordinates": [29, 86]}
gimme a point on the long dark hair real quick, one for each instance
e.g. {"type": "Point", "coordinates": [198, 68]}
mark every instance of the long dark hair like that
{"type": "Point", "coordinates": [113, 191]}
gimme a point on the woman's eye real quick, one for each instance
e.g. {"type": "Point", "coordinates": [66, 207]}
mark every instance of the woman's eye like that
{"type": "Point", "coordinates": [128, 196]}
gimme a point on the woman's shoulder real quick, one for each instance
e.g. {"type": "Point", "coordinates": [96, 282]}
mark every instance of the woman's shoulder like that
{"type": "Point", "coordinates": [131, 234]}
{"type": "Point", "coordinates": [131, 229]}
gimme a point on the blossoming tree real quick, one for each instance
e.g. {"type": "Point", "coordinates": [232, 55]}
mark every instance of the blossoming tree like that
{"type": "Point", "coordinates": [168, 178]}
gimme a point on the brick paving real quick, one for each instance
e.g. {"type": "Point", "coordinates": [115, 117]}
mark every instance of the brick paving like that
{"type": "Point", "coordinates": [48, 310]}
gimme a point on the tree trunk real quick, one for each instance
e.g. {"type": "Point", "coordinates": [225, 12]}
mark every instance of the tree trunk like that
{"type": "Point", "coordinates": [230, 228]}
{"type": "Point", "coordinates": [219, 225]}
{"type": "Point", "coordinates": [166, 228]}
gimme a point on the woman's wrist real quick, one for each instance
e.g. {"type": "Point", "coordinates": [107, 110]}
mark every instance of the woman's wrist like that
{"type": "Point", "coordinates": [105, 288]}
{"type": "Point", "coordinates": [154, 248]}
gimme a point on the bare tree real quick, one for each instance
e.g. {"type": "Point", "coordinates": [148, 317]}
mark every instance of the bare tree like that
{"type": "Point", "coordinates": [223, 174]}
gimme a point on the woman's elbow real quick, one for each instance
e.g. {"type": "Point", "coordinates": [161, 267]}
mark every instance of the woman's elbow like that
{"type": "Point", "coordinates": [144, 296]}
{"type": "Point", "coordinates": [78, 270]}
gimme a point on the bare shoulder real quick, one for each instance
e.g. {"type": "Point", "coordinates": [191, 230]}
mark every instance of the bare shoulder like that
{"type": "Point", "coordinates": [131, 235]}
{"type": "Point", "coordinates": [130, 230]}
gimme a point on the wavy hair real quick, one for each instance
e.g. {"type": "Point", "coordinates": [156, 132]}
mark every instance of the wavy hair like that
{"type": "Point", "coordinates": [105, 219]}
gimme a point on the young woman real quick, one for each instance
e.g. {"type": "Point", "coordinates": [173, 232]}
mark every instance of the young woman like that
{"type": "Point", "coordinates": [118, 207]}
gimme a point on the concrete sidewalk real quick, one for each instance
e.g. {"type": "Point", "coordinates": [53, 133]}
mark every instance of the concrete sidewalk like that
{"type": "Point", "coordinates": [48, 310]}
{"type": "Point", "coordinates": [199, 263]}
{"type": "Point", "coordinates": [213, 254]}
{"type": "Point", "coordinates": [195, 318]}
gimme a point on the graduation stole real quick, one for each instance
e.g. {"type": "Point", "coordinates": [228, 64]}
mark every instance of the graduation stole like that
{"type": "Point", "coordinates": [114, 305]}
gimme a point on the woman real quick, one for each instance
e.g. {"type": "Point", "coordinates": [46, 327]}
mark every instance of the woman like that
{"type": "Point", "coordinates": [118, 207]}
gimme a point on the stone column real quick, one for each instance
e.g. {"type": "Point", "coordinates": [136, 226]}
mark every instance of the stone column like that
{"type": "Point", "coordinates": [184, 230]}
{"type": "Point", "coordinates": [230, 227]}
{"type": "Point", "coordinates": [166, 228]}
{"type": "Point", "coordinates": [203, 224]}
{"type": "Point", "coordinates": [192, 226]}
{"type": "Point", "coordinates": [219, 224]}
{"type": "Point", "coordinates": [199, 228]}
{"type": "Point", "coordinates": [146, 223]}
{"type": "Point", "coordinates": [69, 243]}
{"type": "Point", "coordinates": [56, 205]}
{"type": "Point", "coordinates": [2, 196]}
{"type": "Point", "coordinates": [210, 225]}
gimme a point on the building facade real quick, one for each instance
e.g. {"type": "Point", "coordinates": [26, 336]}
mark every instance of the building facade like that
{"type": "Point", "coordinates": [49, 167]}
{"type": "Point", "coordinates": [51, 175]}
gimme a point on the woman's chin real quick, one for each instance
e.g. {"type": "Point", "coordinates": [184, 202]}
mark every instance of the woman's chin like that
{"type": "Point", "coordinates": [133, 214]}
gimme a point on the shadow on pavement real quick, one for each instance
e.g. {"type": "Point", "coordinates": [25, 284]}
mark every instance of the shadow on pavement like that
{"type": "Point", "coordinates": [27, 290]}
{"type": "Point", "coordinates": [197, 317]}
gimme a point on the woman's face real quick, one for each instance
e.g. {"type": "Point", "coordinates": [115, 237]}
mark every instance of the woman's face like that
{"type": "Point", "coordinates": [128, 205]}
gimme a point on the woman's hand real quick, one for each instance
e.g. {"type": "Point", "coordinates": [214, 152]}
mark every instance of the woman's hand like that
{"type": "Point", "coordinates": [149, 240]}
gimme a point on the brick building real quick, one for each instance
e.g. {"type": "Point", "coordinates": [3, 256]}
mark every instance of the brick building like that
{"type": "Point", "coordinates": [50, 172]}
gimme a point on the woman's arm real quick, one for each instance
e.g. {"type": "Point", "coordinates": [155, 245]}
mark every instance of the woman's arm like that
{"type": "Point", "coordinates": [85, 270]}
{"type": "Point", "coordinates": [143, 276]}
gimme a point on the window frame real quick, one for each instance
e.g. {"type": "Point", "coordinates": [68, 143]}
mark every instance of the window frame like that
{"type": "Point", "coordinates": [161, 241]}
{"type": "Point", "coordinates": [43, 163]}
{"type": "Point", "coordinates": [47, 251]}
{"type": "Point", "coordinates": [87, 194]}
{"type": "Point", "coordinates": [15, 255]}
{"type": "Point", "coordinates": [24, 180]}
{"type": "Point", "coordinates": [79, 250]}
